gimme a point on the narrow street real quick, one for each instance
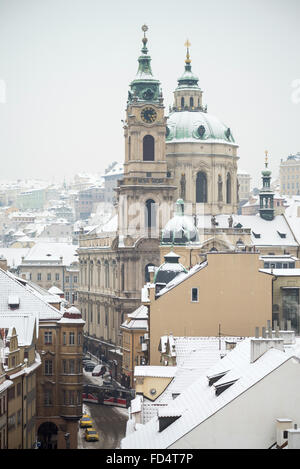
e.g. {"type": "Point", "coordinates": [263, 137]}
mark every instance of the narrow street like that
{"type": "Point", "coordinates": [109, 421]}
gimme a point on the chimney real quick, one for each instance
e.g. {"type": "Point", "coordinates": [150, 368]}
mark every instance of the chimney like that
{"type": "Point", "coordinates": [294, 438]}
{"type": "Point", "coordinates": [3, 263]}
{"type": "Point", "coordinates": [261, 345]}
{"type": "Point", "coordinates": [151, 270]}
{"type": "Point", "coordinates": [282, 427]}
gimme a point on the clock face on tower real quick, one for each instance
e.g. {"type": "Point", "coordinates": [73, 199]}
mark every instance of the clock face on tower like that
{"type": "Point", "coordinates": [148, 114]}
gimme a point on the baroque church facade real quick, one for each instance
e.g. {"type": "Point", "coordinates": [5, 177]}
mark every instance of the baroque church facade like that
{"type": "Point", "coordinates": [189, 155]}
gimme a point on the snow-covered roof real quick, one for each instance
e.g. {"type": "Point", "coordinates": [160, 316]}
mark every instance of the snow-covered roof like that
{"type": "Point", "coordinates": [117, 170]}
{"type": "Point", "coordinates": [282, 272]}
{"type": "Point", "coordinates": [199, 401]}
{"type": "Point", "coordinates": [31, 303]}
{"type": "Point", "coordinates": [155, 371]}
{"type": "Point", "coordinates": [270, 231]}
{"type": "Point", "coordinates": [50, 252]}
{"type": "Point", "coordinates": [14, 255]}
{"type": "Point", "coordinates": [181, 277]}
{"type": "Point", "coordinates": [55, 290]}
{"type": "Point", "coordinates": [138, 319]}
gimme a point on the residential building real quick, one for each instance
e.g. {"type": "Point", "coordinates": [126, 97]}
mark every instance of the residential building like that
{"type": "Point", "coordinates": [54, 399]}
{"type": "Point", "coordinates": [289, 174]}
{"type": "Point", "coordinates": [53, 264]}
{"type": "Point", "coordinates": [212, 297]}
{"type": "Point", "coordinates": [244, 388]}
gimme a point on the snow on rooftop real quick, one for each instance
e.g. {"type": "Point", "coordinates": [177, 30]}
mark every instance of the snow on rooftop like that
{"type": "Point", "coordinates": [195, 410]}
{"type": "Point", "coordinates": [52, 252]}
{"type": "Point", "coordinates": [155, 371]}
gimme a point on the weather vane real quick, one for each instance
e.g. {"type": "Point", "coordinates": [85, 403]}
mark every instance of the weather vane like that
{"type": "Point", "coordinates": [266, 158]}
{"type": "Point", "coordinates": [144, 40]}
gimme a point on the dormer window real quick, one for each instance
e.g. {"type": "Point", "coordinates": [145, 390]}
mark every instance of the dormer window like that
{"type": "Point", "coordinates": [282, 235]}
{"type": "Point", "coordinates": [222, 387]}
{"type": "Point", "coordinates": [256, 235]}
{"type": "Point", "coordinates": [214, 378]}
{"type": "Point", "coordinates": [13, 302]}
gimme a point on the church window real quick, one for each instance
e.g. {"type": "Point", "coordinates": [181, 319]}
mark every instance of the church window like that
{"type": "Point", "coordinates": [106, 274]}
{"type": "Point", "coordinates": [148, 148]}
{"type": "Point", "coordinates": [150, 214]}
{"type": "Point", "coordinates": [201, 187]}
{"type": "Point", "coordinates": [192, 102]}
{"type": "Point", "coordinates": [182, 102]}
{"type": "Point", "coordinates": [122, 278]}
{"type": "Point", "coordinates": [228, 189]}
{"type": "Point", "coordinates": [129, 147]}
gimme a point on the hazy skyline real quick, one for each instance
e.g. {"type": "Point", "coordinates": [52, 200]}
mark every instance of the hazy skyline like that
{"type": "Point", "coordinates": [66, 68]}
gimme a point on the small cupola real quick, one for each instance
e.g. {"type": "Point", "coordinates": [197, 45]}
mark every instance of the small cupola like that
{"type": "Point", "coordinates": [266, 195]}
{"type": "Point", "coordinates": [168, 271]}
{"type": "Point", "coordinates": [188, 95]}
{"type": "Point", "coordinates": [180, 229]}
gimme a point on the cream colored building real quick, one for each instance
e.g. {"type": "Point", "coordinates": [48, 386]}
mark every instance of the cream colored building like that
{"type": "Point", "coordinates": [212, 297]}
{"type": "Point", "coordinates": [289, 175]}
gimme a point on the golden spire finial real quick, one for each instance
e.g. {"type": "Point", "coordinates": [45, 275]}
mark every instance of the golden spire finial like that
{"type": "Point", "coordinates": [187, 45]}
{"type": "Point", "coordinates": [266, 158]}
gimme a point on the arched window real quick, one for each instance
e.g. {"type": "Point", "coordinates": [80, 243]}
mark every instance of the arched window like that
{"type": "Point", "coordinates": [147, 274]}
{"type": "Point", "coordinates": [129, 147]}
{"type": "Point", "coordinates": [182, 102]}
{"type": "Point", "coordinates": [228, 189]}
{"type": "Point", "coordinates": [122, 278]}
{"type": "Point", "coordinates": [106, 274]}
{"type": "Point", "coordinates": [201, 187]}
{"type": "Point", "coordinates": [148, 148]}
{"type": "Point", "coordinates": [192, 102]}
{"type": "Point", "coordinates": [150, 214]}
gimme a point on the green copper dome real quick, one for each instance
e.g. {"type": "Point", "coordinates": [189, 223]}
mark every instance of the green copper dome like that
{"type": "Point", "coordinates": [144, 87]}
{"type": "Point", "coordinates": [196, 126]}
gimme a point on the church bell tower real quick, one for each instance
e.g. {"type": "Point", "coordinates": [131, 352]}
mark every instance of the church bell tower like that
{"type": "Point", "coordinates": [146, 184]}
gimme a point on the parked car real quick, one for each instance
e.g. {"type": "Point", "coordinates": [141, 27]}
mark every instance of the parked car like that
{"type": "Point", "coordinates": [99, 370]}
{"type": "Point", "coordinates": [89, 366]}
{"type": "Point", "coordinates": [86, 421]}
{"type": "Point", "coordinates": [91, 434]}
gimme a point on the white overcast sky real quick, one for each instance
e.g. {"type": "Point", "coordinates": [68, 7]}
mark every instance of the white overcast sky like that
{"type": "Point", "coordinates": [66, 66]}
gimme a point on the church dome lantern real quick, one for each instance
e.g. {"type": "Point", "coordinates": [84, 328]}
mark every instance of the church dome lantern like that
{"type": "Point", "coordinates": [180, 229]}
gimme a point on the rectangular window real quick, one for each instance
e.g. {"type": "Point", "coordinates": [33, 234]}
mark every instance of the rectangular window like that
{"type": "Point", "coordinates": [64, 366]}
{"type": "Point", "coordinates": [48, 337]}
{"type": "Point", "coordinates": [48, 276]}
{"type": "Point", "coordinates": [48, 397]}
{"type": "Point", "coordinates": [57, 277]}
{"type": "Point", "coordinates": [11, 393]}
{"type": "Point", "coordinates": [39, 277]}
{"type": "Point", "coordinates": [71, 338]}
{"type": "Point", "coordinates": [67, 295]}
{"type": "Point", "coordinates": [79, 338]}
{"type": "Point", "coordinates": [48, 367]}
{"type": "Point", "coordinates": [71, 367]}
{"type": "Point", "coordinates": [67, 279]}
{"type": "Point", "coordinates": [71, 398]}
{"type": "Point", "coordinates": [195, 295]}
{"type": "Point", "coordinates": [75, 279]}
{"type": "Point", "coordinates": [64, 338]}
{"type": "Point", "coordinates": [18, 389]}
{"type": "Point", "coordinates": [19, 417]}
